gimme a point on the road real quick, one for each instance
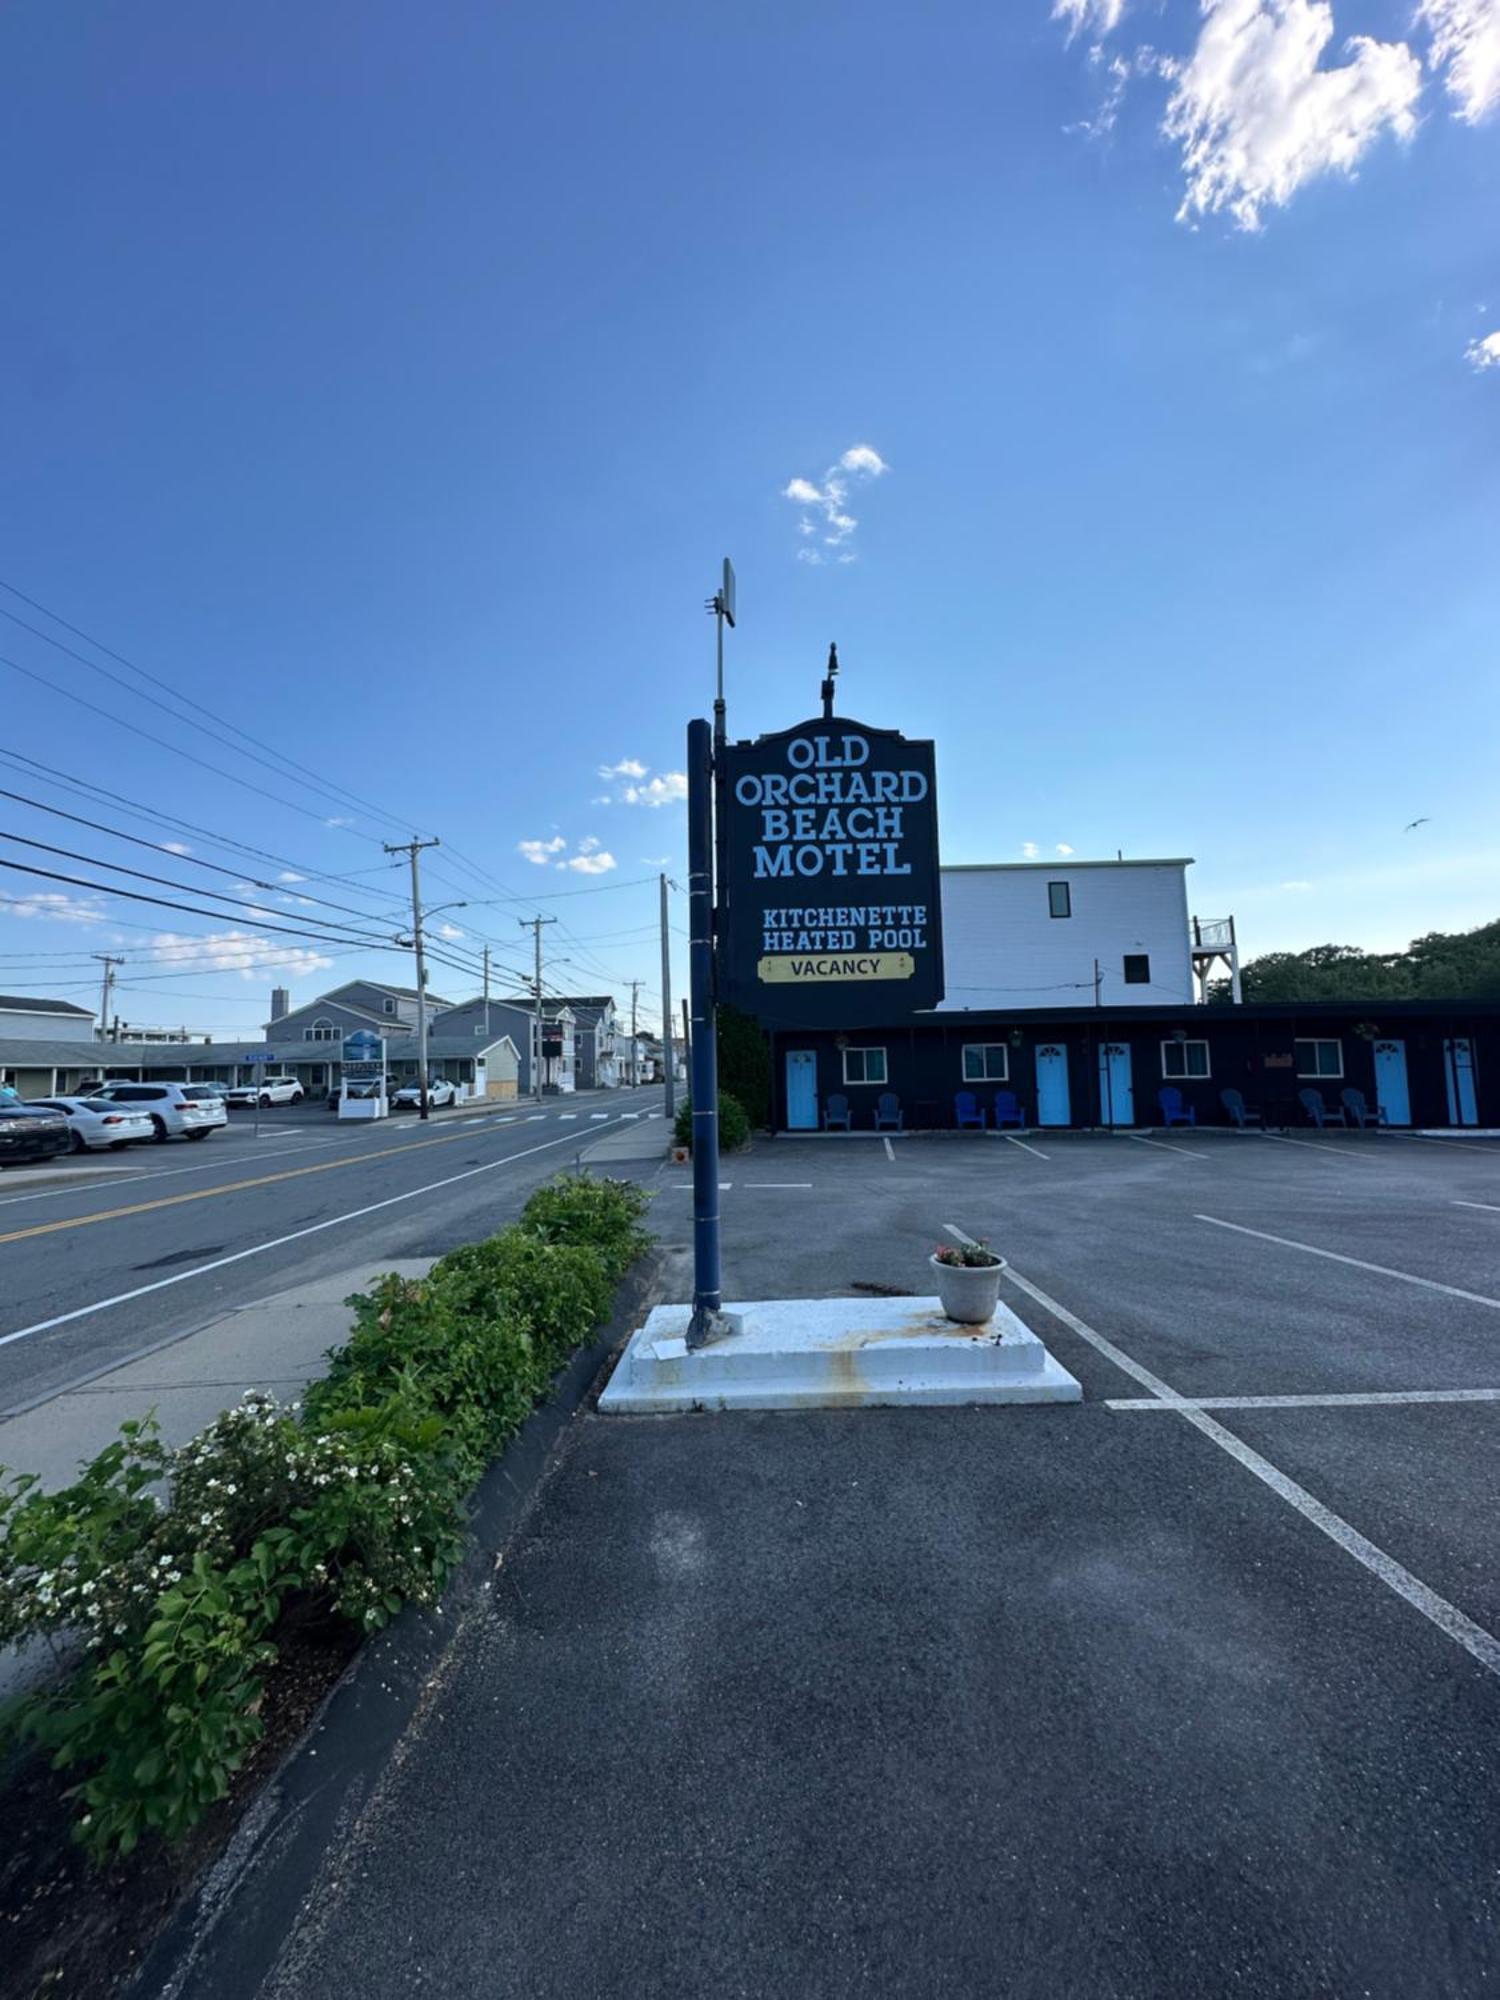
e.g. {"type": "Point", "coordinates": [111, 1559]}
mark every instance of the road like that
{"type": "Point", "coordinates": [103, 1265]}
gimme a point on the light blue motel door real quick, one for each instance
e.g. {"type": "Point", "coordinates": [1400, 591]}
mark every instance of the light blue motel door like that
{"type": "Point", "coordinates": [1052, 1102]}
{"type": "Point", "coordinates": [1458, 1071]}
{"type": "Point", "coordinates": [1116, 1096]}
{"type": "Point", "coordinates": [1391, 1093]}
{"type": "Point", "coordinates": [801, 1090]}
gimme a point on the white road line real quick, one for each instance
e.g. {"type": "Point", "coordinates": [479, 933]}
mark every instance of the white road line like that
{"type": "Point", "coordinates": [1355, 1400]}
{"type": "Point", "coordinates": [276, 1243]}
{"type": "Point", "coordinates": [1490, 1207]}
{"type": "Point", "coordinates": [779, 1184]}
{"type": "Point", "coordinates": [1167, 1146]}
{"type": "Point", "coordinates": [566, 1115]}
{"type": "Point", "coordinates": [1317, 1146]}
{"type": "Point", "coordinates": [890, 1151]}
{"type": "Point", "coordinates": [1025, 1145]}
{"type": "Point", "coordinates": [653, 1114]}
{"type": "Point", "coordinates": [596, 1115]}
{"type": "Point", "coordinates": [630, 1114]}
{"type": "Point", "coordinates": [1475, 1640]}
{"type": "Point", "coordinates": [535, 1117]}
{"type": "Point", "coordinates": [108, 1182]}
{"type": "Point", "coordinates": [1458, 1143]}
{"type": "Point", "coordinates": [1338, 1257]}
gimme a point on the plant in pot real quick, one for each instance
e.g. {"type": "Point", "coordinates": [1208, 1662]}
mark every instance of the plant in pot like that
{"type": "Point", "coordinates": [968, 1281]}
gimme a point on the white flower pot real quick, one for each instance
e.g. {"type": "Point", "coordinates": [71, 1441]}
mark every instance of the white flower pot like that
{"type": "Point", "coordinates": [969, 1292]}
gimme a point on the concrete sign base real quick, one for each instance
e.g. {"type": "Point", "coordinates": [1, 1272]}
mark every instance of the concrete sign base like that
{"type": "Point", "coordinates": [828, 1354]}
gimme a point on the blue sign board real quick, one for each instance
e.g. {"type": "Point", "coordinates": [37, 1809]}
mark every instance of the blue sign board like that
{"type": "Point", "coordinates": [259, 1056]}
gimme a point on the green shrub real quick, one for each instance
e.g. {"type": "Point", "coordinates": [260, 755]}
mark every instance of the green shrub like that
{"type": "Point", "coordinates": [745, 1063]}
{"type": "Point", "coordinates": [177, 1571]}
{"type": "Point", "coordinates": [734, 1126]}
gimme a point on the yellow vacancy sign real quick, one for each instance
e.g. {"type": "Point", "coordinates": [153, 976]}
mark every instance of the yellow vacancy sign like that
{"type": "Point", "coordinates": [826, 968]}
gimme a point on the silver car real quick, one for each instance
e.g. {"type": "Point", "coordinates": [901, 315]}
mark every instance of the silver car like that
{"type": "Point", "coordinates": [188, 1110]}
{"type": "Point", "coordinates": [98, 1127]}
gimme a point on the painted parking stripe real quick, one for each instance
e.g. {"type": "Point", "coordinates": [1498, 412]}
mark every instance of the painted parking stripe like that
{"type": "Point", "coordinates": [1166, 1146]}
{"type": "Point", "coordinates": [534, 1117]}
{"type": "Point", "coordinates": [1338, 1257]}
{"type": "Point", "coordinates": [890, 1151]}
{"type": "Point", "coordinates": [1318, 1146]}
{"type": "Point", "coordinates": [1025, 1145]}
{"type": "Point", "coordinates": [1475, 1640]}
{"type": "Point", "coordinates": [804, 1185]}
{"type": "Point", "coordinates": [276, 1243]}
{"type": "Point", "coordinates": [1490, 1207]}
{"type": "Point", "coordinates": [630, 1114]}
{"type": "Point", "coordinates": [1355, 1400]}
{"type": "Point", "coordinates": [566, 1115]}
{"type": "Point", "coordinates": [598, 1114]}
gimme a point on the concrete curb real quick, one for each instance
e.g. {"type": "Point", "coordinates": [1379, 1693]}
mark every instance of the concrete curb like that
{"type": "Point", "coordinates": [225, 1940]}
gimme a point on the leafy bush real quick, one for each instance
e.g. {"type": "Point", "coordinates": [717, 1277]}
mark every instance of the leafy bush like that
{"type": "Point", "coordinates": [180, 1572]}
{"type": "Point", "coordinates": [734, 1126]}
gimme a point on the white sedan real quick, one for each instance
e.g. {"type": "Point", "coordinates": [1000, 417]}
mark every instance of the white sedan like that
{"type": "Point", "coordinates": [95, 1125]}
{"type": "Point", "coordinates": [439, 1092]}
{"type": "Point", "coordinates": [270, 1090]}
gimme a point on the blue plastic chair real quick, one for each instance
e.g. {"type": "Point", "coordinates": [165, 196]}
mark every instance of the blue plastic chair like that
{"type": "Point", "coordinates": [1008, 1110]}
{"type": "Point", "coordinates": [1173, 1110]}
{"type": "Point", "coordinates": [1320, 1113]}
{"type": "Point", "coordinates": [966, 1112]}
{"type": "Point", "coordinates": [836, 1115]}
{"type": "Point", "coordinates": [1356, 1104]}
{"type": "Point", "coordinates": [1234, 1103]}
{"type": "Point", "coordinates": [888, 1112]}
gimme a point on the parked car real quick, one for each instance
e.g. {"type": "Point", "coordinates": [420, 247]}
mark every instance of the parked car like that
{"type": "Point", "coordinates": [439, 1092]}
{"type": "Point", "coordinates": [29, 1133]}
{"type": "Point", "coordinates": [270, 1090]}
{"type": "Point", "coordinates": [95, 1127]}
{"type": "Point", "coordinates": [190, 1110]}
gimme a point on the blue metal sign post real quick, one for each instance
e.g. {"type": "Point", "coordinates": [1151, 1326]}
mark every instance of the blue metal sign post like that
{"type": "Point", "coordinates": [709, 1321]}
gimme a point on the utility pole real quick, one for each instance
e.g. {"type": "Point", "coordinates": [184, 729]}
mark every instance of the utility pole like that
{"type": "Point", "coordinates": [109, 965]}
{"type": "Point", "coordinates": [486, 988]}
{"type": "Point", "coordinates": [534, 925]}
{"type": "Point", "coordinates": [635, 1047]}
{"type": "Point", "coordinates": [669, 1102]}
{"type": "Point", "coordinates": [413, 848]}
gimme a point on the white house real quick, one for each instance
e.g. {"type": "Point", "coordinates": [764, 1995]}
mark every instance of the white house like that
{"type": "Point", "coordinates": [1050, 934]}
{"type": "Point", "coordinates": [26, 1018]}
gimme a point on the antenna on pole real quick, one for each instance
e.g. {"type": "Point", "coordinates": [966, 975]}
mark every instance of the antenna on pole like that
{"type": "Point", "coordinates": [828, 680]}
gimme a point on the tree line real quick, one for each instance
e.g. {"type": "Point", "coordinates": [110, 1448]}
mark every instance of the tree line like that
{"type": "Point", "coordinates": [1443, 965]}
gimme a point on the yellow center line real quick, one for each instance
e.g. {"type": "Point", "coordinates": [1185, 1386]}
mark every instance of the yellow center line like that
{"type": "Point", "coordinates": [230, 1187]}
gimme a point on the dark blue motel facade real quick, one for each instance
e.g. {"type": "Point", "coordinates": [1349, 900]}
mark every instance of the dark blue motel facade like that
{"type": "Point", "coordinates": [1409, 1064]}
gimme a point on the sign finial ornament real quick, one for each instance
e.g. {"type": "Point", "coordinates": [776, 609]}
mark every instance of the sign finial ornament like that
{"type": "Point", "coordinates": [828, 680]}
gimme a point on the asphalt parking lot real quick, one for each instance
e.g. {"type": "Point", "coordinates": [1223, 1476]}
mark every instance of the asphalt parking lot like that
{"type": "Point", "coordinates": [1189, 1689]}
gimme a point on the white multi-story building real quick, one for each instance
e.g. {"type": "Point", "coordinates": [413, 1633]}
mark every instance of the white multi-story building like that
{"type": "Point", "coordinates": [1047, 934]}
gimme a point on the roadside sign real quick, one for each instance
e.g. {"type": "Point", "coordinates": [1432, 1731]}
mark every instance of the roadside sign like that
{"type": "Point", "coordinates": [258, 1056]}
{"type": "Point", "coordinates": [831, 909]}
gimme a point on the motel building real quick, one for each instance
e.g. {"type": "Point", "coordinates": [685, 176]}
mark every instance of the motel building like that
{"type": "Point", "coordinates": [1074, 997]}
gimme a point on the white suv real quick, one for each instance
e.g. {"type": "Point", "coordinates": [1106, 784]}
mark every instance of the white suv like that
{"type": "Point", "coordinates": [188, 1109]}
{"type": "Point", "coordinates": [270, 1090]}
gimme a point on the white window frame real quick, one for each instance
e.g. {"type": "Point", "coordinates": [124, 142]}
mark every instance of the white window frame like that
{"type": "Point", "coordinates": [1067, 889]}
{"type": "Point", "coordinates": [322, 1030]}
{"type": "Point", "coordinates": [1174, 1047]}
{"type": "Point", "coordinates": [983, 1049]}
{"type": "Point", "coordinates": [881, 1082]}
{"type": "Point", "coordinates": [1301, 1042]}
{"type": "Point", "coordinates": [388, 1005]}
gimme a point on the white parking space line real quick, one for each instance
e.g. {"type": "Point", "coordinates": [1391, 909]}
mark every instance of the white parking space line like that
{"type": "Point", "coordinates": [535, 1117]}
{"type": "Point", "coordinates": [804, 1185]}
{"type": "Point", "coordinates": [1317, 1146]}
{"type": "Point", "coordinates": [630, 1114]}
{"type": "Point", "coordinates": [598, 1114]}
{"type": "Point", "coordinates": [1024, 1144]}
{"type": "Point", "coordinates": [276, 1243]}
{"type": "Point", "coordinates": [1166, 1146]}
{"type": "Point", "coordinates": [1355, 1400]}
{"type": "Point", "coordinates": [1475, 1640]}
{"type": "Point", "coordinates": [565, 1116]}
{"type": "Point", "coordinates": [1490, 1207]}
{"type": "Point", "coordinates": [890, 1151]}
{"type": "Point", "coordinates": [1338, 1257]}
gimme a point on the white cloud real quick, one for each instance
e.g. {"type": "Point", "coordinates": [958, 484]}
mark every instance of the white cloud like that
{"type": "Point", "coordinates": [1484, 353]}
{"type": "Point", "coordinates": [176, 847]}
{"type": "Point", "coordinates": [628, 767]}
{"type": "Point", "coordinates": [1063, 848]}
{"type": "Point", "coordinates": [667, 788]}
{"type": "Point", "coordinates": [537, 851]}
{"type": "Point", "coordinates": [1296, 887]}
{"type": "Point", "coordinates": [449, 931]}
{"type": "Point", "coordinates": [590, 864]}
{"type": "Point", "coordinates": [861, 462]}
{"type": "Point", "coordinates": [1101, 16]}
{"type": "Point", "coordinates": [1257, 118]}
{"type": "Point", "coordinates": [338, 822]}
{"type": "Point", "coordinates": [656, 860]}
{"type": "Point", "coordinates": [236, 951]}
{"type": "Point", "coordinates": [1030, 849]}
{"type": "Point", "coordinates": [1466, 44]}
{"type": "Point", "coordinates": [290, 875]}
{"type": "Point", "coordinates": [56, 906]}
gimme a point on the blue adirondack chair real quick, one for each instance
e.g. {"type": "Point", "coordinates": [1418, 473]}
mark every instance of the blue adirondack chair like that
{"type": "Point", "coordinates": [1008, 1110]}
{"type": "Point", "coordinates": [966, 1112]}
{"type": "Point", "coordinates": [1320, 1113]}
{"type": "Point", "coordinates": [888, 1112]}
{"type": "Point", "coordinates": [1234, 1103]}
{"type": "Point", "coordinates": [836, 1113]}
{"type": "Point", "coordinates": [1173, 1110]}
{"type": "Point", "coordinates": [1358, 1108]}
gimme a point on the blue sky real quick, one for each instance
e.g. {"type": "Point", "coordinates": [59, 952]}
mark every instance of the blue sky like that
{"type": "Point", "coordinates": [391, 382]}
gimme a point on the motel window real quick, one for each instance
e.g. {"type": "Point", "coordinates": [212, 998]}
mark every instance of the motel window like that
{"type": "Point", "coordinates": [1137, 968]}
{"type": "Point", "coordinates": [1319, 1058]}
{"type": "Point", "coordinates": [1181, 1061]}
{"type": "Point", "coordinates": [322, 1030]}
{"type": "Point", "coordinates": [864, 1066]}
{"type": "Point", "coordinates": [1059, 899]}
{"type": "Point", "coordinates": [389, 1006]}
{"type": "Point", "coordinates": [986, 1062]}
